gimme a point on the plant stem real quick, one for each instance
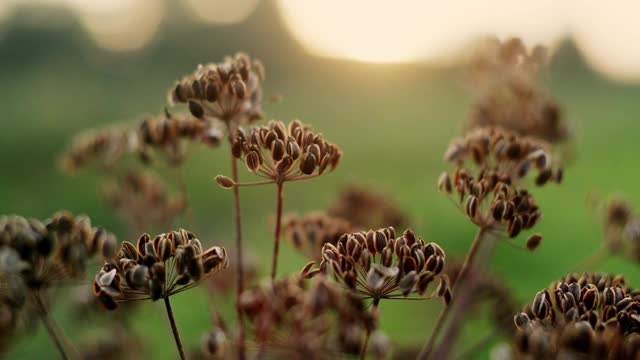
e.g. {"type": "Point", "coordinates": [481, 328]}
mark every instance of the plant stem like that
{"type": "Point", "coordinates": [52, 327]}
{"type": "Point", "coordinates": [174, 328]}
{"type": "Point", "coordinates": [365, 346]}
{"type": "Point", "coordinates": [471, 351]}
{"type": "Point", "coordinates": [468, 261]}
{"type": "Point", "coordinates": [185, 196]}
{"type": "Point", "coordinates": [588, 263]}
{"type": "Point", "coordinates": [239, 258]}
{"type": "Point", "coordinates": [276, 238]}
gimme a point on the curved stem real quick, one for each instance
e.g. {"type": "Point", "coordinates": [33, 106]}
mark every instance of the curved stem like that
{"type": "Point", "coordinates": [365, 346]}
{"type": "Point", "coordinates": [52, 327]}
{"type": "Point", "coordinates": [239, 258]}
{"type": "Point", "coordinates": [276, 238]}
{"type": "Point", "coordinates": [174, 328]}
{"type": "Point", "coordinates": [468, 261]}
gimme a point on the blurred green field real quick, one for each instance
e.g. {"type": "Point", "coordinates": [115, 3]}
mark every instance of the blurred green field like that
{"type": "Point", "coordinates": [393, 123]}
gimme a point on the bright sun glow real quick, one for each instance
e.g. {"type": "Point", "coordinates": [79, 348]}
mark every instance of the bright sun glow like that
{"type": "Point", "coordinates": [222, 11]}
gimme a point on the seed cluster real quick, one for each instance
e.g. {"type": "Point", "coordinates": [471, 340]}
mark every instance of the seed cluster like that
{"type": "Point", "coordinates": [506, 78]}
{"type": "Point", "coordinates": [164, 134]}
{"type": "Point", "coordinates": [377, 265]}
{"type": "Point", "coordinates": [38, 256]}
{"type": "Point", "coordinates": [593, 315]}
{"type": "Point", "coordinates": [229, 91]}
{"type": "Point", "coordinates": [142, 200]}
{"type": "Point", "coordinates": [315, 322]}
{"type": "Point", "coordinates": [283, 153]}
{"type": "Point", "coordinates": [622, 229]}
{"type": "Point", "coordinates": [492, 198]}
{"type": "Point", "coordinates": [366, 209]}
{"type": "Point", "coordinates": [309, 233]}
{"type": "Point", "coordinates": [157, 268]}
{"type": "Point", "coordinates": [102, 148]}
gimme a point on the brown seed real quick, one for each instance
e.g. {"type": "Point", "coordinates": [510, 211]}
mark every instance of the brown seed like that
{"type": "Point", "coordinates": [308, 163]}
{"type": "Point", "coordinates": [252, 161]}
{"type": "Point", "coordinates": [444, 183]}
{"type": "Point", "coordinates": [212, 91]}
{"type": "Point", "coordinates": [471, 207]}
{"type": "Point", "coordinates": [521, 320]}
{"type": "Point", "coordinates": [534, 241]}
{"type": "Point", "coordinates": [225, 181]}
{"type": "Point", "coordinates": [196, 109]}
{"type": "Point", "coordinates": [277, 150]}
{"type": "Point", "coordinates": [514, 226]}
{"type": "Point", "coordinates": [544, 176]}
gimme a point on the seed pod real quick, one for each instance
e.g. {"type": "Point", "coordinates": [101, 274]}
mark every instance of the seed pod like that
{"type": "Point", "coordinates": [424, 281]}
{"type": "Point", "coordinates": [129, 250]}
{"type": "Point", "coordinates": [434, 264]}
{"type": "Point", "coordinates": [407, 283]}
{"type": "Point", "coordinates": [164, 249]}
{"type": "Point", "coordinates": [590, 299]}
{"type": "Point", "coordinates": [514, 226]}
{"type": "Point", "coordinates": [498, 210]}
{"type": "Point", "coordinates": [443, 286]}
{"type": "Point", "coordinates": [540, 306]}
{"type": "Point", "coordinates": [471, 207]}
{"type": "Point", "coordinates": [308, 163]}
{"type": "Point", "coordinates": [534, 241]}
{"type": "Point", "coordinates": [196, 109]}
{"type": "Point", "coordinates": [509, 210]}
{"type": "Point", "coordinates": [109, 247]}
{"type": "Point", "coordinates": [544, 176]}
{"type": "Point", "coordinates": [521, 320]}
{"type": "Point", "coordinates": [214, 343]}
{"type": "Point", "coordinates": [212, 91]}
{"type": "Point", "coordinates": [277, 150]}
{"type": "Point", "coordinates": [252, 161]}
{"type": "Point", "coordinates": [444, 183]}
{"type": "Point", "coordinates": [225, 181]}
{"type": "Point", "coordinates": [239, 89]}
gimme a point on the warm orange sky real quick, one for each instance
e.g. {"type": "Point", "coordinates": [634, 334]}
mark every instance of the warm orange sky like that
{"type": "Point", "coordinates": [407, 31]}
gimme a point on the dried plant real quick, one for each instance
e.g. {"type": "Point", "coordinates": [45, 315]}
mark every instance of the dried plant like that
{"type": "Point", "coordinates": [157, 269]}
{"type": "Point", "coordinates": [142, 200]}
{"type": "Point", "coordinates": [376, 265]}
{"type": "Point", "coordinates": [38, 257]}
{"type": "Point", "coordinates": [229, 91]}
{"type": "Point", "coordinates": [318, 321]}
{"type": "Point", "coordinates": [622, 229]}
{"type": "Point", "coordinates": [282, 154]}
{"type": "Point", "coordinates": [506, 79]}
{"type": "Point", "coordinates": [309, 233]}
{"type": "Point", "coordinates": [166, 134]}
{"type": "Point", "coordinates": [591, 316]}
{"type": "Point", "coordinates": [102, 148]}
{"type": "Point", "coordinates": [366, 209]}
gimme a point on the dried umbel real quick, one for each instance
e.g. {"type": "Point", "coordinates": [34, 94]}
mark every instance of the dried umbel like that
{"type": "Point", "coordinates": [492, 199]}
{"type": "Point", "coordinates": [57, 250]}
{"type": "Point", "coordinates": [366, 209]}
{"type": "Point", "coordinates": [506, 79]}
{"type": "Point", "coordinates": [102, 148]}
{"type": "Point", "coordinates": [157, 268]}
{"type": "Point", "coordinates": [167, 133]}
{"type": "Point", "coordinates": [142, 200]}
{"type": "Point", "coordinates": [377, 265]}
{"type": "Point", "coordinates": [622, 229]}
{"type": "Point", "coordinates": [306, 321]}
{"type": "Point", "coordinates": [309, 233]}
{"type": "Point", "coordinates": [229, 91]}
{"type": "Point", "coordinates": [592, 316]}
{"type": "Point", "coordinates": [281, 153]}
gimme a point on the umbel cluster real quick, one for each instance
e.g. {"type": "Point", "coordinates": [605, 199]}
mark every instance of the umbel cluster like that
{"type": "Point", "coordinates": [513, 144]}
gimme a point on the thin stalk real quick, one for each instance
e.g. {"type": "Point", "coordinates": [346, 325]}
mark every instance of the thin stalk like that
{"type": "Point", "coordinates": [592, 260]}
{"type": "Point", "coordinates": [174, 328]}
{"type": "Point", "coordinates": [182, 187]}
{"type": "Point", "coordinates": [468, 261]}
{"type": "Point", "coordinates": [276, 237]}
{"type": "Point", "coordinates": [239, 258]}
{"type": "Point", "coordinates": [471, 351]}
{"type": "Point", "coordinates": [53, 329]}
{"type": "Point", "coordinates": [365, 346]}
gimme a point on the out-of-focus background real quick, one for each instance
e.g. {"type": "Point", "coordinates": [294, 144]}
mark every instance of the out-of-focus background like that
{"type": "Point", "coordinates": [386, 84]}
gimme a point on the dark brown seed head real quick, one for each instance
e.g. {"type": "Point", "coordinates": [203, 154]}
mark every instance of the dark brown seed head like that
{"type": "Point", "coordinates": [534, 241]}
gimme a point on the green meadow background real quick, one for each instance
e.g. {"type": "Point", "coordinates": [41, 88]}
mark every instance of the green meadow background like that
{"type": "Point", "coordinates": [393, 123]}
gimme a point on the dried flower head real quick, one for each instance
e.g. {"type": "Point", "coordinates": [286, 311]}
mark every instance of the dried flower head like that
{"type": "Point", "coordinates": [591, 316]}
{"type": "Point", "coordinates": [157, 268]}
{"type": "Point", "coordinates": [309, 233]}
{"type": "Point", "coordinates": [315, 322]}
{"type": "Point", "coordinates": [214, 344]}
{"type": "Point", "coordinates": [167, 133]}
{"type": "Point", "coordinates": [283, 154]}
{"type": "Point", "coordinates": [377, 265]}
{"type": "Point", "coordinates": [142, 200]}
{"type": "Point", "coordinates": [57, 250]}
{"type": "Point", "coordinates": [492, 198]}
{"type": "Point", "coordinates": [229, 91]}
{"type": "Point", "coordinates": [366, 209]}
{"type": "Point", "coordinates": [622, 229]}
{"type": "Point", "coordinates": [506, 79]}
{"type": "Point", "coordinates": [102, 148]}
